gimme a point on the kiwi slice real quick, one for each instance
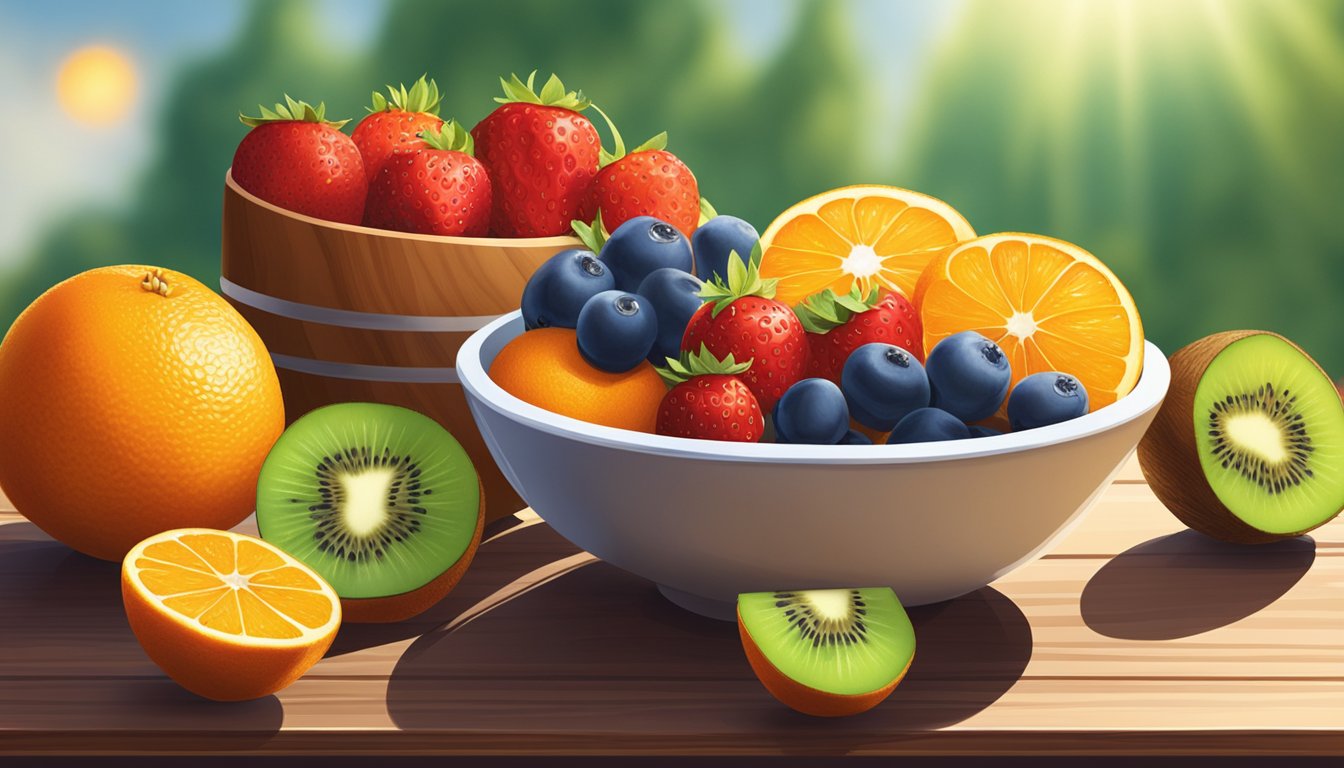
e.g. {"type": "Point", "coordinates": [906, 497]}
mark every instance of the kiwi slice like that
{"type": "Point", "coordinates": [380, 500]}
{"type": "Point", "coordinates": [1248, 446]}
{"type": "Point", "coordinates": [827, 652]}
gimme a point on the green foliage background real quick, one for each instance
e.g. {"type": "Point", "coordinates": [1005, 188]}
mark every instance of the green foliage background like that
{"type": "Point", "coordinates": [1195, 147]}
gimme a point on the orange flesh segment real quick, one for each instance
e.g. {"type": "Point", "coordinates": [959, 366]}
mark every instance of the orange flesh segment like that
{"type": "Point", "coordinates": [870, 236]}
{"type": "Point", "coordinates": [1048, 308]}
{"type": "Point", "coordinates": [259, 594]}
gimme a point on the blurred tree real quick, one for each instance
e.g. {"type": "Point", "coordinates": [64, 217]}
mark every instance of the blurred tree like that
{"type": "Point", "coordinates": [1194, 147]}
{"type": "Point", "coordinates": [759, 136]}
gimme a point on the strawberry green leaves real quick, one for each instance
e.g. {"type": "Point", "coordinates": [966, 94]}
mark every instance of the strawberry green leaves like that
{"type": "Point", "coordinates": [827, 310]}
{"type": "Point", "coordinates": [452, 137]}
{"type": "Point", "coordinates": [593, 236]}
{"type": "Point", "coordinates": [654, 144]}
{"type": "Point", "coordinates": [553, 93]}
{"type": "Point", "coordinates": [744, 279]}
{"type": "Point", "coordinates": [702, 363]}
{"type": "Point", "coordinates": [422, 96]}
{"type": "Point", "coordinates": [291, 111]}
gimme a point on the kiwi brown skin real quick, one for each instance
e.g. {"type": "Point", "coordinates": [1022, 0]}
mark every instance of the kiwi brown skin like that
{"type": "Point", "coordinates": [805, 698]}
{"type": "Point", "coordinates": [395, 608]}
{"type": "Point", "coordinates": [1169, 457]}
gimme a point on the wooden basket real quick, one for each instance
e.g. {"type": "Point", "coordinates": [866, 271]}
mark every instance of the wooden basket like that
{"type": "Point", "coordinates": [358, 314]}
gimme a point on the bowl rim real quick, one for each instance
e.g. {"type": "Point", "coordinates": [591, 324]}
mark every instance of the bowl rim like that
{"type": "Point", "coordinates": [555, 241]}
{"type": "Point", "coordinates": [1146, 395]}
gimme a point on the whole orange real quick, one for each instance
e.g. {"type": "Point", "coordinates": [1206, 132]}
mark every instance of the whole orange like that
{"type": "Point", "coordinates": [133, 400]}
{"type": "Point", "coordinates": [544, 367]}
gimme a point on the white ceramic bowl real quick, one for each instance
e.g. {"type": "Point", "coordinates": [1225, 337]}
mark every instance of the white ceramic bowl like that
{"type": "Point", "coordinates": [706, 520]}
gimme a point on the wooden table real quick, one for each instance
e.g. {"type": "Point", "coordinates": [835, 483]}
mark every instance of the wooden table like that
{"type": "Point", "coordinates": [1130, 637]}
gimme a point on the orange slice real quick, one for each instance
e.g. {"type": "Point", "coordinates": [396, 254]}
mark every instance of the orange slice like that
{"type": "Point", "coordinates": [869, 234]}
{"type": "Point", "coordinates": [229, 617]}
{"type": "Point", "coordinates": [1050, 305]}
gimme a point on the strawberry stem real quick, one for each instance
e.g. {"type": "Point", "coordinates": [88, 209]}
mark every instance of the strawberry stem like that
{"type": "Point", "coordinates": [423, 96]}
{"type": "Point", "coordinates": [553, 93]}
{"type": "Point", "coordinates": [744, 279]}
{"type": "Point", "coordinates": [451, 137]}
{"type": "Point", "coordinates": [826, 310]}
{"type": "Point", "coordinates": [594, 235]}
{"type": "Point", "coordinates": [605, 158]}
{"type": "Point", "coordinates": [702, 363]}
{"type": "Point", "coordinates": [292, 111]}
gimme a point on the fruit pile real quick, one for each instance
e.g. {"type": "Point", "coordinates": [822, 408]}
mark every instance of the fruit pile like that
{"type": "Point", "coordinates": [531, 168]}
{"type": "Point", "coordinates": [142, 417]}
{"type": "Point", "coordinates": [1021, 331]}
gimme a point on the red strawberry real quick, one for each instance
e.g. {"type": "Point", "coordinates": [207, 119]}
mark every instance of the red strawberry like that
{"type": "Point", "coordinates": [708, 400]}
{"type": "Point", "coordinates": [439, 189]}
{"type": "Point", "coordinates": [395, 122]}
{"type": "Point", "coordinates": [837, 325]}
{"type": "Point", "coordinates": [741, 318]}
{"type": "Point", "coordinates": [542, 156]}
{"type": "Point", "coordinates": [297, 159]}
{"type": "Point", "coordinates": [649, 181]}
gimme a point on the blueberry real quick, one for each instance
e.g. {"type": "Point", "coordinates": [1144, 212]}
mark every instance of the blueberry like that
{"type": "Point", "coordinates": [1046, 398]}
{"type": "Point", "coordinates": [616, 330]}
{"type": "Point", "coordinates": [715, 239]}
{"type": "Point", "coordinates": [882, 383]}
{"type": "Point", "coordinates": [812, 411]}
{"type": "Point", "coordinates": [641, 245]}
{"type": "Point", "coordinates": [675, 296]}
{"type": "Point", "coordinates": [928, 425]}
{"type": "Point", "coordinates": [968, 376]}
{"type": "Point", "coordinates": [855, 437]}
{"type": "Point", "coordinates": [977, 431]}
{"type": "Point", "coordinates": [560, 287]}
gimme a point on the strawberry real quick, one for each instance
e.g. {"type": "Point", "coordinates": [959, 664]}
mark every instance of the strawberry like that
{"type": "Point", "coordinates": [297, 159]}
{"type": "Point", "coordinates": [839, 324]}
{"type": "Point", "coordinates": [438, 189]}
{"type": "Point", "coordinates": [708, 400]}
{"type": "Point", "coordinates": [542, 156]}
{"type": "Point", "coordinates": [649, 181]}
{"type": "Point", "coordinates": [395, 122]}
{"type": "Point", "coordinates": [741, 318]}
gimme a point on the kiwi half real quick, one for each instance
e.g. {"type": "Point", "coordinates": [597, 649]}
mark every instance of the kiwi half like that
{"type": "Point", "coordinates": [827, 652]}
{"type": "Point", "coordinates": [1248, 446]}
{"type": "Point", "coordinates": [381, 501]}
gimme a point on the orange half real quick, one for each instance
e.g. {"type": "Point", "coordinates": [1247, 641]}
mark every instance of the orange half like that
{"type": "Point", "coordinates": [869, 234]}
{"type": "Point", "coordinates": [1050, 305]}
{"type": "Point", "coordinates": [227, 616]}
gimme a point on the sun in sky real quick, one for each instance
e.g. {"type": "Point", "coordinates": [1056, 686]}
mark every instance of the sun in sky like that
{"type": "Point", "coordinates": [96, 85]}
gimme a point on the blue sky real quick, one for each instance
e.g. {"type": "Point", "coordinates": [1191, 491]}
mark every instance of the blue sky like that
{"type": "Point", "coordinates": [48, 162]}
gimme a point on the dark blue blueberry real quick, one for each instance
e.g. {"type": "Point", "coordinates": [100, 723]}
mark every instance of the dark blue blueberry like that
{"type": "Point", "coordinates": [715, 239]}
{"type": "Point", "coordinates": [977, 431]}
{"type": "Point", "coordinates": [812, 411]}
{"type": "Point", "coordinates": [1046, 398]}
{"type": "Point", "coordinates": [641, 245]}
{"type": "Point", "coordinates": [855, 437]}
{"type": "Point", "coordinates": [928, 425]}
{"type": "Point", "coordinates": [561, 286]}
{"type": "Point", "coordinates": [675, 296]}
{"type": "Point", "coordinates": [968, 376]}
{"type": "Point", "coordinates": [882, 383]}
{"type": "Point", "coordinates": [616, 330]}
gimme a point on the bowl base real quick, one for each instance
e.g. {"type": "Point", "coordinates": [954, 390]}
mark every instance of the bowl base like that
{"type": "Point", "coordinates": [704, 606]}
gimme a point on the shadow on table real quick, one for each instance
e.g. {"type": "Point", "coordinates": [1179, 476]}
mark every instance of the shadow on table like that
{"type": "Point", "coordinates": [494, 566]}
{"type": "Point", "coordinates": [64, 621]}
{"type": "Point", "coordinates": [599, 650]}
{"type": "Point", "coordinates": [1186, 583]}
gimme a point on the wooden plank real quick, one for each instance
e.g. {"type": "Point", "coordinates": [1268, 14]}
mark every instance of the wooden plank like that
{"type": "Point", "coordinates": [1130, 637]}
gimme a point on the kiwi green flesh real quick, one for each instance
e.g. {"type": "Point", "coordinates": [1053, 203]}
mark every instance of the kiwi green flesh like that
{"type": "Point", "coordinates": [377, 499]}
{"type": "Point", "coordinates": [842, 641]}
{"type": "Point", "coordinates": [1269, 429]}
